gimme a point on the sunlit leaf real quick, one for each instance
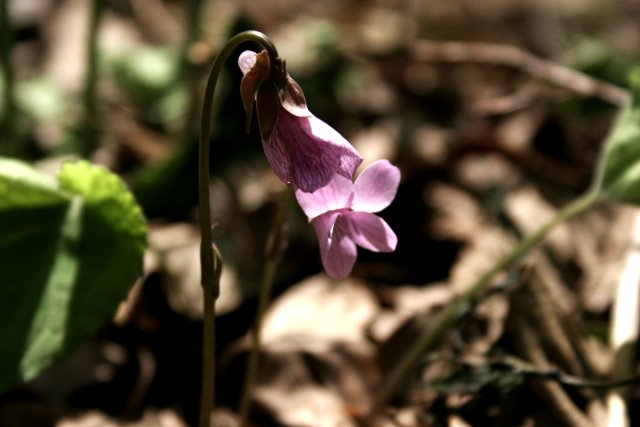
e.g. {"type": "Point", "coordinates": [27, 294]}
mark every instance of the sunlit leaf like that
{"type": "Point", "coordinates": [620, 163]}
{"type": "Point", "coordinates": [69, 252]}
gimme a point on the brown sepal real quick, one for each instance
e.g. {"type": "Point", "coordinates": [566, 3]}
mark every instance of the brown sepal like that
{"type": "Point", "coordinates": [268, 104]}
{"type": "Point", "coordinates": [251, 83]}
{"type": "Point", "coordinates": [290, 93]}
{"type": "Point", "coordinates": [292, 98]}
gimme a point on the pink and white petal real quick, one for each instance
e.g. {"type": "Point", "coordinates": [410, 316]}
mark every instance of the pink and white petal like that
{"type": "Point", "coordinates": [277, 158]}
{"type": "Point", "coordinates": [334, 196]}
{"type": "Point", "coordinates": [371, 232]}
{"type": "Point", "coordinates": [311, 163]}
{"type": "Point", "coordinates": [316, 152]}
{"type": "Point", "coordinates": [376, 187]}
{"type": "Point", "coordinates": [337, 250]}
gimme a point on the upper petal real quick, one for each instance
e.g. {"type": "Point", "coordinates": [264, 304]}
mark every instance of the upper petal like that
{"type": "Point", "coordinates": [337, 250]}
{"type": "Point", "coordinates": [370, 232]}
{"type": "Point", "coordinates": [376, 187]}
{"type": "Point", "coordinates": [333, 196]}
{"type": "Point", "coordinates": [316, 152]}
{"type": "Point", "coordinates": [350, 159]}
{"type": "Point", "coordinates": [277, 159]}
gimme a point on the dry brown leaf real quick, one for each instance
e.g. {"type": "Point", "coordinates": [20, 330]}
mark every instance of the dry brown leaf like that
{"type": "Point", "coordinates": [459, 216]}
{"type": "Point", "coordinates": [306, 406]}
{"type": "Point", "coordinates": [483, 172]}
{"type": "Point", "coordinates": [515, 133]}
{"type": "Point", "coordinates": [602, 238]}
{"type": "Point", "coordinates": [151, 418]}
{"type": "Point", "coordinates": [405, 302]}
{"type": "Point", "coordinates": [178, 248]}
{"type": "Point", "coordinates": [430, 145]}
{"type": "Point", "coordinates": [487, 246]}
{"type": "Point", "coordinates": [377, 142]}
{"type": "Point", "coordinates": [485, 325]}
{"type": "Point", "coordinates": [529, 211]}
{"type": "Point", "coordinates": [317, 364]}
{"type": "Point", "coordinates": [321, 308]}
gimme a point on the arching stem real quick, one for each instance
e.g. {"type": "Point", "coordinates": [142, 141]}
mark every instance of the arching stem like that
{"type": "Point", "coordinates": [211, 264]}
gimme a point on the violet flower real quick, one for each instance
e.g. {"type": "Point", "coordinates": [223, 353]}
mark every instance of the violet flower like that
{"type": "Point", "coordinates": [301, 149]}
{"type": "Point", "coordinates": [342, 214]}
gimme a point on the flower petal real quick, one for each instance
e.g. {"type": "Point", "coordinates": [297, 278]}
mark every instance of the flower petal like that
{"type": "Point", "coordinates": [370, 232]}
{"type": "Point", "coordinates": [277, 158]}
{"type": "Point", "coordinates": [350, 159]}
{"type": "Point", "coordinates": [337, 250]}
{"type": "Point", "coordinates": [376, 187]}
{"type": "Point", "coordinates": [334, 196]}
{"type": "Point", "coordinates": [316, 151]}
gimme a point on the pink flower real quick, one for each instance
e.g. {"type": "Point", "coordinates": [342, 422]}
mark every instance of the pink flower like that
{"type": "Point", "coordinates": [301, 149]}
{"type": "Point", "coordinates": [342, 214]}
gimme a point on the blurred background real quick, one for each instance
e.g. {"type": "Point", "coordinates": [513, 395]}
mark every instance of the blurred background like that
{"type": "Point", "coordinates": [480, 104]}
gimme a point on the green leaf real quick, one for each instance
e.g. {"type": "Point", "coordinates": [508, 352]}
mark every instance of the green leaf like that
{"type": "Point", "coordinates": [69, 252]}
{"type": "Point", "coordinates": [21, 185]}
{"type": "Point", "coordinates": [620, 162]}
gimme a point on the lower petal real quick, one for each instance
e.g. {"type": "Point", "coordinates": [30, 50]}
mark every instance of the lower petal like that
{"type": "Point", "coordinates": [371, 232]}
{"type": "Point", "coordinates": [337, 250]}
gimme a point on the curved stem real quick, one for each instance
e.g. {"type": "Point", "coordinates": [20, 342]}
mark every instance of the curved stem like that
{"type": "Point", "coordinates": [430, 336]}
{"type": "Point", "coordinates": [273, 251]}
{"type": "Point", "coordinates": [210, 268]}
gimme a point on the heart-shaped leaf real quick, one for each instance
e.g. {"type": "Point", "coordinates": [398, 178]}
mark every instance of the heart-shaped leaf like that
{"type": "Point", "coordinates": [69, 252]}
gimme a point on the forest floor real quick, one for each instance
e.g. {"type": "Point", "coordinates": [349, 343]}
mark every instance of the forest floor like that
{"type": "Point", "coordinates": [484, 108]}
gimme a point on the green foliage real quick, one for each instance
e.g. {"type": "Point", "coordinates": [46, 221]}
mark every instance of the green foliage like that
{"type": "Point", "coordinates": [620, 162]}
{"type": "Point", "coordinates": [150, 75]}
{"type": "Point", "coordinates": [69, 251]}
{"type": "Point", "coordinates": [42, 99]}
{"type": "Point", "coordinates": [596, 58]}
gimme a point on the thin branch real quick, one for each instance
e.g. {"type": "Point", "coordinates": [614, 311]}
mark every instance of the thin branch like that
{"type": "Point", "coordinates": [513, 57]}
{"type": "Point", "coordinates": [528, 343]}
{"type": "Point", "coordinates": [544, 311]}
{"type": "Point", "coordinates": [517, 365]}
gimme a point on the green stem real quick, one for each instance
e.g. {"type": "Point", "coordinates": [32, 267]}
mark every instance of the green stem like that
{"type": "Point", "coordinates": [9, 115]}
{"type": "Point", "coordinates": [274, 249]}
{"type": "Point", "coordinates": [211, 288]}
{"type": "Point", "coordinates": [91, 77]}
{"type": "Point", "coordinates": [425, 342]}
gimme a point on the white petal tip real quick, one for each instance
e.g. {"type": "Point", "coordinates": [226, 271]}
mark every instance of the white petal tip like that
{"type": "Point", "coordinates": [246, 61]}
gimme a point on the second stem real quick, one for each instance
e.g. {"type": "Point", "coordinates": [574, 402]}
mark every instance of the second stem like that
{"type": "Point", "coordinates": [410, 361]}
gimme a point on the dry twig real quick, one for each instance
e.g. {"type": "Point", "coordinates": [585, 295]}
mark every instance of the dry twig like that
{"type": "Point", "coordinates": [529, 345]}
{"type": "Point", "coordinates": [511, 56]}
